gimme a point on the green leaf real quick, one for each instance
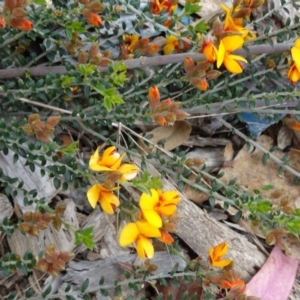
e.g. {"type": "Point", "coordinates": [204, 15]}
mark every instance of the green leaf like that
{"type": "Point", "coordinates": [237, 216]}
{"type": "Point", "coordinates": [84, 285]}
{"type": "Point", "coordinates": [191, 8]}
{"type": "Point", "coordinates": [56, 183]}
{"type": "Point", "coordinates": [201, 27]}
{"type": "Point", "coordinates": [47, 291]}
{"type": "Point", "coordinates": [40, 2]}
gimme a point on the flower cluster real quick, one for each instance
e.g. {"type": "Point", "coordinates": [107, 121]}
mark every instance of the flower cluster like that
{"type": "Point", "coordinates": [110, 163]}
{"type": "Point", "coordinates": [134, 43]}
{"type": "Point", "coordinates": [165, 112]}
{"type": "Point", "coordinates": [95, 57]}
{"type": "Point", "coordinates": [14, 15]}
{"type": "Point", "coordinates": [163, 6]}
{"type": "Point", "coordinates": [197, 74]}
{"type": "Point", "coordinates": [294, 71]}
{"type": "Point", "coordinates": [229, 36]}
{"type": "Point", "coordinates": [33, 222]}
{"type": "Point", "coordinates": [173, 44]}
{"type": "Point", "coordinates": [156, 218]}
{"type": "Point", "coordinates": [54, 261]}
{"type": "Point", "coordinates": [227, 278]}
{"type": "Point", "coordinates": [91, 10]}
{"type": "Point", "coordinates": [42, 131]}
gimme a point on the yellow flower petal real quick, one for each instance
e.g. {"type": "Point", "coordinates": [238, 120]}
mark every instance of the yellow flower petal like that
{"type": "Point", "coordinates": [237, 57]}
{"type": "Point", "coordinates": [144, 247]}
{"type": "Point", "coordinates": [221, 249]}
{"type": "Point", "coordinates": [129, 234]}
{"type": "Point", "coordinates": [169, 48]}
{"type": "Point", "coordinates": [293, 74]}
{"type": "Point", "coordinates": [94, 158]}
{"type": "Point", "coordinates": [232, 42]}
{"type": "Point", "coordinates": [170, 197]}
{"type": "Point", "coordinates": [153, 217]}
{"type": "Point", "coordinates": [147, 201]}
{"type": "Point", "coordinates": [296, 56]}
{"type": "Point", "coordinates": [93, 195]}
{"type": "Point", "coordinates": [109, 152]}
{"type": "Point", "coordinates": [226, 8]}
{"type": "Point", "coordinates": [108, 201]}
{"type": "Point", "coordinates": [129, 171]}
{"type": "Point", "coordinates": [221, 263]}
{"type": "Point", "coordinates": [232, 65]}
{"type": "Point", "coordinates": [146, 229]}
{"type": "Point", "coordinates": [167, 210]}
{"type": "Point", "coordinates": [221, 54]}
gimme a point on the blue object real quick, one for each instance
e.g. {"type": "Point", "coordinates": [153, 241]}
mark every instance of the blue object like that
{"type": "Point", "coordinates": [258, 123]}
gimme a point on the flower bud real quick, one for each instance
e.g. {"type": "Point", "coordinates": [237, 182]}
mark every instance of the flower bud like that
{"type": "Point", "coordinates": [51, 254]}
{"type": "Point", "coordinates": [256, 3]}
{"type": "Point", "coordinates": [33, 118]}
{"type": "Point", "coordinates": [42, 225]}
{"type": "Point", "coordinates": [199, 83]}
{"type": "Point", "coordinates": [164, 105]}
{"type": "Point", "coordinates": [21, 2]}
{"type": "Point", "coordinates": [24, 227]}
{"type": "Point", "coordinates": [9, 4]}
{"type": "Point", "coordinates": [104, 62]}
{"type": "Point", "coordinates": [52, 271]}
{"type": "Point", "coordinates": [181, 115]}
{"type": "Point", "coordinates": [153, 97]}
{"type": "Point", "coordinates": [117, 9]}
{"type": "Point", "coordinates": [53, 121]}
{"type": "Point", "coordinates": [66, 256]}
{"type": "Point", "coordinates": [96, 7]}
{"type": "Point", "coordinates": [94, 50]}
{"type": "Point", "coordinates": [242, 13]}
{"type": "Point", "coordinates": [18, 13]}
{"type": "Point", "coordinates": [92, 18]}
{"type": "Point", "coordinates": [2, 22]}
{"type": "Point", "coordinates": [42, 265]}
{"type": "Point", "coordinates": [47, 217]}
{"type": "Point", "coordinates": [60, 209]}
{"type": "Point", "coordinates": [27, 217]}
{"type": "Point", "coordinates": [270, 239]}
{"type": "Point", "coordinates": [159, 119]}
{"type": "Point", "coordinates": [59, 264]}
{"type": "Point", "coordinates": [36, 216]}
{"type": "Point", "coordinates": [217, 27]}
{"type": "Point", "coordinates": [189, 66]}
{"type": "Point", "coordinates": [173, 107]}
{"type": "Point", "coordinates": [285, 200]}
{"type": "Point", "coordinates": [22, 24]}
{"type": "Point", "coordinates": [212, 74]}
{"type": "Point", "coordinates": [170, 117]}
{"type": "Point", "coordinates": [33, 230]}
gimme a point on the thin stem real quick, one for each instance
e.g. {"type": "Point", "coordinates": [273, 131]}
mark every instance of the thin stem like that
{"type": "Point", "coordinates": [143, 62]}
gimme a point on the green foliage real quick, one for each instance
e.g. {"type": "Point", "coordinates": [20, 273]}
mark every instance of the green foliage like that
{"type": "Point", "coordinates": [85, 236]}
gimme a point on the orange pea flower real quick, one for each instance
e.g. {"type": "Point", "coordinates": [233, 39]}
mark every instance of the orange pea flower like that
{"type": "Point", "coordinates": [226, 284]}
{"type": "Point", "coordinates": [231, 62]}
{"type": "Point", "coordinates": [158, 204]}
{"type": "Point", "coordinates": [294, 71]}
{"type": "Point", "coordinates": [109, 161]}
{"type": "Point", "coordinates": [139, 233]}
{"type": "Point", "coordinates": [92, 18]}
{"type": "Point", "coordinates": [2, 22]}
{"type": "Point", "coordinates": [209, 50]}
{"type": "Point", "coordinates": [156, 6]}
{"type": "Point", "coordinates": [21, 24]}
{"type": "Point", "coordinates": [215, 256]}
{"type": "Point", "coordinates": [153, 97]}
{"type": "Point", "coordinates": [172, 43]}
{"type": "Point", "coordinates": [106, 198]}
